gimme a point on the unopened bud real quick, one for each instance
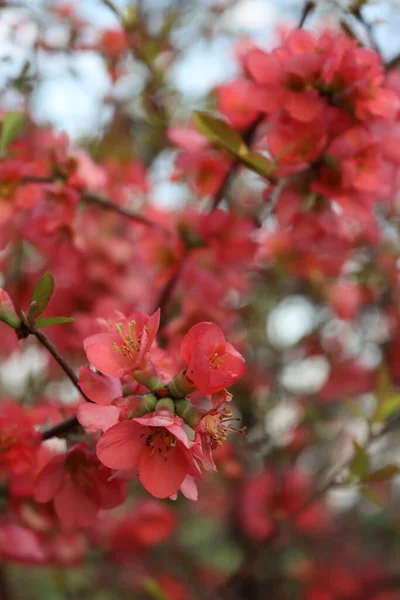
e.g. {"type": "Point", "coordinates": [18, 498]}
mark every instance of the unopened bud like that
{"type": "Point", "coordinates": [166, 403]}
{"type": "Point", "coordinates": [188, 413]}
{"type": "Point", "coordinates": [180, 386]}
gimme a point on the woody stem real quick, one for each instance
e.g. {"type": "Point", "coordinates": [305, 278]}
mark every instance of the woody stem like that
{"type": "Point", "coordinates": [72, 422]}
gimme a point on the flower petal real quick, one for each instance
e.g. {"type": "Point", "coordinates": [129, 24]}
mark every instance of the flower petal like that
{"type": "Point", "coordinates": [95, 417]}
{"type": "Point", "coordinates": [121, 445]}
{"type": "Point", "coordinates": [161, 475]}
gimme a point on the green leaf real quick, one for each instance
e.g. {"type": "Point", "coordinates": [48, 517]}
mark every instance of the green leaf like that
{"type": "Point", "coordinates": [13, 122]}
{"type": "Point", "coordinates": [220, 133]}
{"type": "Point", "coordinates": [386, 408]}
{"type": "Point", "coordinates": [46, 321]}
{"type": "Point", "coordinates": [259, 163]}
{"type": "Point", "coordinates": [386, 472]}
{"type": "Point", "coordinates": [382, 393]}
{"type": "Point", "coordinates": [360, 463]}
{"type": "Point", "coordinates": [41, 296]}
{"type": "Point", "coordinates": [9, 317]}
{"type": "Point", "coordinates": [154, 590]}
{"type": "Point", "coordinates": [372, 496]}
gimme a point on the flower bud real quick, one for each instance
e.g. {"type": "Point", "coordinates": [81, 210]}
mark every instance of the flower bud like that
{"type": "Point", "coordinates": [188, 413]}
{"type": "Point", "coordinates": [180, 386]}
{"type": "Point", "coordinates": [166, 403]}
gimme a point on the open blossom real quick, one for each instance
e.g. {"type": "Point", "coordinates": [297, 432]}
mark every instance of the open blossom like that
{"type": "Point", "coordinates": [79, 486]}
{"type": "Point", "coordinates": [125, 347]}
{"type": "Point", "coordinates": [156, 446]}
{"type": "Point", "coordinates": [212, 363]}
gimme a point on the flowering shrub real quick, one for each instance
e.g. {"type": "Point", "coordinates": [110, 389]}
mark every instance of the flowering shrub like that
{"type": "Point", "coordinates": [142, 337]}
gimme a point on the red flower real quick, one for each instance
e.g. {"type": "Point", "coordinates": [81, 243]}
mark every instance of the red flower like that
{"type": "Point", "coordinates": [79, 485]}
{"type": "Point", "coordinates": [155, 445]}
{"type": "Point", "coordinates": [212, 363]}
{"type": "Point", "coordinates": [126, 347]}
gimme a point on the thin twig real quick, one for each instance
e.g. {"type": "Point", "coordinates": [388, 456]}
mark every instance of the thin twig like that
{"type": "Point", "coordinates": [369, 29]}
{"type": "Point", "coordinates": [61, 428]}
{"type": "Point", "coordinates": [307, 10]}
{"type": "Point", "coordinates": [91, 198]}
{"type": "Point", "coordinates": [44, 340]}
{"type": "Point", "coordinates": [107, 205]}
{"type": "Point", "coordinates": [167, 290]}
{"type": "Point", "coordinates": [72, 422]}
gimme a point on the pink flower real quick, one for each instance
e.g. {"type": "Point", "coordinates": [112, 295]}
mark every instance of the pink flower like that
{"type": "Point", "coordinates": [124, 348]}
{"type": "Point", "coordinates": [155, 445]}
{"type": "Point", "coordinates": [102, 390]}
{"type": "Point", "coordinates": [79, 486]}
{"type": "Point", "coordinates": [212, 363]}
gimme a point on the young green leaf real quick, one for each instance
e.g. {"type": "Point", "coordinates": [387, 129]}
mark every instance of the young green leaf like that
{"type": "Point", "coordinates": [219, 132]}
{"type": "Point", "coordinates": [13, 122]}
{"type": "Point", "coordinates": [360, 463]}
{"type": "Point", "coordinates": [259, 163]}
{"type": "Point", "coordinates": [386, 472]}
{"type": "Point", "coordinates": [41, 296]}
{"type": "Point", "coordinates": [9, 317]}
{"type": "Point", "coordinates": [46, 321]}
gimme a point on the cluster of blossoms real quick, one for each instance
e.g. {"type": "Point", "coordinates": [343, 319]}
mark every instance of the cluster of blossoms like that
{"type": "Point", "coordinates": [153, 405]}
{"type": "Point", "coordinates": [147, 435]}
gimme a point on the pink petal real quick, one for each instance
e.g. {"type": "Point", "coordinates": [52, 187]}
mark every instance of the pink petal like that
{"type": "Point", "coordinates": [50, 479]}
{"type": "Point", "coordinates": [95, 417]}
{"type": "Point", "coordinates": [74, 508]}
{"type": "Point", "coordinates": [189, 488]}
{"type": "Point", "coordinates": [121, 445]}
{"type": "Point", "coordinates": [191, 338]}
{"type": "Point", "coordinates": [162, 475]}
{"type": "Point", "coordinates": [100, 389]}
{"type": "Point", "coordinates": [101, 353]}
{"type": "Point", "coordinates": [264, 68]}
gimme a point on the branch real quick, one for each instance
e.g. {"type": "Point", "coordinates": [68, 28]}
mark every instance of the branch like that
{"type": "Point", "coordinates": [61, 428]}
{"type": "Point", "coordinates": [307, 10]}
{"type": "Point", "coordinates": [107, 205]}
{"type": "Point", "coordinates": [44, 340]}
{"type": "Point", "coordinates": [72, 422]}
{"type": "Point", "coordinates": [167, 290]}
{"type": "Point", "coordinates": [91, 198]}
{"type": "Point", "coordinates": [368, 27]}
{"type": "Point", "coordinates": [5, 591]}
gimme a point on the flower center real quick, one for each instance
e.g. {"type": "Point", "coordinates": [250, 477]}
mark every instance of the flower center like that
{"type": "Point", "coordinates": [161, 440]}
{"type": "Point", "coordinates": [216, 428]}
{"type": "Point", "coordinates": [131, 341]}
{"type": "Point", "coordinates": [79, 470]}
{"type": "Point", "coordinates": [216, 359]}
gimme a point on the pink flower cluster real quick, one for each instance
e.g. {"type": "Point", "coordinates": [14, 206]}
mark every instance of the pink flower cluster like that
{"type": "Point", "coordinates": [161, 436]}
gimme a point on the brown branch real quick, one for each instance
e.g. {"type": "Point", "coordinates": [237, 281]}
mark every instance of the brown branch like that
{"type": "Point", "coordinates": [91, 198]}
{"type": "Point", "coordinates": [61, 428]}
{"type": "Point", "coordinates": [394, 62]}
{"type": "Point", "coordinates": [307, 10]}
{"type": "Point", "coordinates": [166, 292]}
{"type": "Point", "coordinates": [5, 590]}
{"type": "Point", "coordinates": [72, 422]}
{"type": "Point", "coordinates": [369, 29]}
{"type": "Point", "coordinates": [107, 205]}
